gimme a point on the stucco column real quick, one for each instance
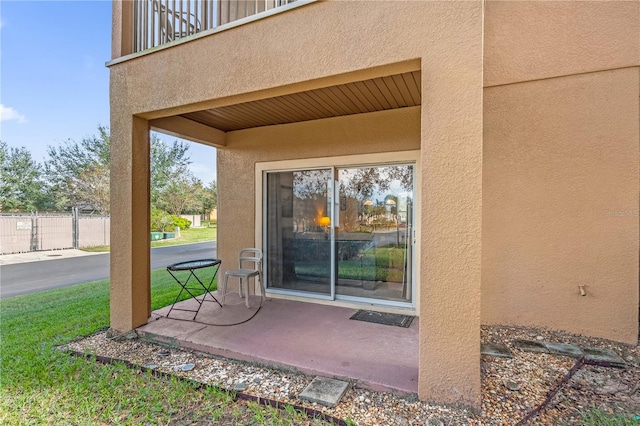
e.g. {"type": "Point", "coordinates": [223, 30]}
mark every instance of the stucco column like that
{"type": "Point", "coordinates": [450, 228]}
{"type": "Point", "coordinates": [122, 28]}
{"type": "Point", "coordinates": [130, 297]}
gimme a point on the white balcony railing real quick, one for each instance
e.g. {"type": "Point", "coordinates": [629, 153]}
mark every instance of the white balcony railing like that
{"type": "Point", "coordinates": [156, 22]}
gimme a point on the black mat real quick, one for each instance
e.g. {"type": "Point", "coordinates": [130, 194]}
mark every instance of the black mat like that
{"type": "Point", "coordinates": [383, 318]}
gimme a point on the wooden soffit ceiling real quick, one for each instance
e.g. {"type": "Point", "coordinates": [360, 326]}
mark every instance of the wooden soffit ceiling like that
{"type": "Point", "coordinates": [377, 94]}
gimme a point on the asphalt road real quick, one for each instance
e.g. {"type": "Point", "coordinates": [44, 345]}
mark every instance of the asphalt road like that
{"type": "Point", "coordinates": [32, 277]}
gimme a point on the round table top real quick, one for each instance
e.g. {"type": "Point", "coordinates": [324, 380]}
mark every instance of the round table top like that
{"type": "Point", "coordinates": [194, 264]}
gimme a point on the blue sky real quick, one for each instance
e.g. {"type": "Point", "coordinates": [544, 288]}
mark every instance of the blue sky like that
{"type": "Point", "coordinates": [53, 82]}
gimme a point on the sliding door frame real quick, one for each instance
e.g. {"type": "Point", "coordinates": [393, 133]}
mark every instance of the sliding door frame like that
{"type": "Point", "coordinates": [334, 163]}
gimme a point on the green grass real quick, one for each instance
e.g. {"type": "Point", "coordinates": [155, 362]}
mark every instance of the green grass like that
{"type": "Point", "coordinates": [191, 235]}
{"type": "Point", "coordinates": [597, 417]}
{"type": "Point", "coordinates": [42, 385]}
{"type": "Point", "coordinates": [187, 236]}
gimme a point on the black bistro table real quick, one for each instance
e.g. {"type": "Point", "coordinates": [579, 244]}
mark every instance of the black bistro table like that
{"type": "Point", "coordinates": [193, 282]}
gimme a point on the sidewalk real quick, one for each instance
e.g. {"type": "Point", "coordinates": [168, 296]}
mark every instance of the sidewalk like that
{"type": "Point", "coordinates": [36, 256]}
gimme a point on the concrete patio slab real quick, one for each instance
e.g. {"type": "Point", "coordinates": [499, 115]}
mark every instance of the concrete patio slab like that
{"type": "Point", "coordinates": [178, 328]}
{"type": "Point", "coordinates": [324, 391]}
{"type": "Point", "coordinates": [311, 338]}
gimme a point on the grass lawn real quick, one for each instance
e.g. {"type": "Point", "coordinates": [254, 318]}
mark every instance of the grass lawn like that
{"type": "Point", "coordinates": [41, 385]}
{"type": "Point", "coordinates": [597, 417]}
{"type": "Point", "coordinates": [187, 236]}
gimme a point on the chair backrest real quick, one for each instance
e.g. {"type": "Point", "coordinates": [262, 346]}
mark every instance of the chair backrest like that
{"type": "Point", "coordinates": [252, 255]}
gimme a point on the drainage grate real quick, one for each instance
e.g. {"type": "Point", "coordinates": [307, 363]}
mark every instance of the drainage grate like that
{"type": "Point", "coordinates": [383, 318]}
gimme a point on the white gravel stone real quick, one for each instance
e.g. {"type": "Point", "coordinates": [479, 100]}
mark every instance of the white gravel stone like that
{"type": "Point", "coordinates": [536, 374]}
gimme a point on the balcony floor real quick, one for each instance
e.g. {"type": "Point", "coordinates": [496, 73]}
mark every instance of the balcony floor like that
{"type": "Point", "coordinates": [311, 338]}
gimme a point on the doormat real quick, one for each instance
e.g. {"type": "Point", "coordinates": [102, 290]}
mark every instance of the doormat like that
{"type": "Point", "coordinates": [383, 318]}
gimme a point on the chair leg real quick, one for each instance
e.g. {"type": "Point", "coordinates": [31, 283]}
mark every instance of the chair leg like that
{"type": "Point", "coordinates": [263, 291]}
{"type": "Point", "coordinates": [224, 287]}
{"type": "Point", "coordinates": [246, 301]}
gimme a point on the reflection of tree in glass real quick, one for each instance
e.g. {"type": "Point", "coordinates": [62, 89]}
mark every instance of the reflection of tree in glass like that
{"type": "Point", "coordinates": [404, 174]}
{"type": "Point", "coordinates": [357, 182]}
{"type": "Point", "coordinates": [310, 183]}
{"type": "Point", "coordinates": [310, 199]}
{"type": "Point", "coordinates": [361, 183]}
{"type": "Point", "coordinates": [357, 185]}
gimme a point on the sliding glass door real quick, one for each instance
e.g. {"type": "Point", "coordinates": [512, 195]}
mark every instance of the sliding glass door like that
{"type": "Point", "coordinates": [298, 228]}
{"type": "Point", "coordinates": [373, 240]}
{"type": "Point", "coordinates": [341, 233]}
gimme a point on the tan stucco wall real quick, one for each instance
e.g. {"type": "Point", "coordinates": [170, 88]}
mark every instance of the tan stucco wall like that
{"type": "Point", "coordinates": [560, 175]}
{"type": "Point", "coordinates": [378, 132]}
{"type": "Point", "coordinates": [560, 185]}
{"type": "Point", "coordinates": [530, 40]}
{"type": "Point", "coordinates": [560, 204]}
{"type": "Point", "coordinates": [326, 43]}
{"type": "Point", "coordinates": [130, 296]}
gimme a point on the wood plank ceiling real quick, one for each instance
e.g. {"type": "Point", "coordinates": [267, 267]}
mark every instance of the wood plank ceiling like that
{"type": "Point", "coordinates": [377, 94]}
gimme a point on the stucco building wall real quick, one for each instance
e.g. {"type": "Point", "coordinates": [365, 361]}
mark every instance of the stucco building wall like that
{"type": "Point", "coordinates": [531, 40]}
{"type": "Point", "coordinates": [529, 180]}
{"type": "Point", "coordinates": [319, 45]}
{"type": "Point", "coordinates": [561, 137]}
{"type": "Point", "coordinates": [377, 132]}
{"type": "Point", "coordinates": [560, 168]}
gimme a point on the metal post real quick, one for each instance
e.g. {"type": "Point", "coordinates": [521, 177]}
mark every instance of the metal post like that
{"type": "Point", "coordinates": [33, 245]}
{"type": "Point", "coordinates": [74, 226]}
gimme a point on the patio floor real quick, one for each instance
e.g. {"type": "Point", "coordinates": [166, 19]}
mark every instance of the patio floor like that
{"type": "Point", "coordinates": [308, 337]}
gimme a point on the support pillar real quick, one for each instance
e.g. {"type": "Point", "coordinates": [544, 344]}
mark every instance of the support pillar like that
{"type": "Point", "coordinates": [130, 298]}
{"type": "Point", "coordinates": [122, 28]}
{"type": "Point", "coordinates": [451, 221]}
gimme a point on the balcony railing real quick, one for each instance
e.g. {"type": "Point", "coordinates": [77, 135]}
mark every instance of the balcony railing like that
{"type": "Point", "coordinates": [156, 22]}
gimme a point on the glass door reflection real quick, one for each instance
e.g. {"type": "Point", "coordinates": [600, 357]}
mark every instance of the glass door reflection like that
{"type": "Point", "coordinates": [351, 243]}
{"type": "Point", "coordinates": [373, 241]}
{"type": "Point", "coordinates": [298, 231]}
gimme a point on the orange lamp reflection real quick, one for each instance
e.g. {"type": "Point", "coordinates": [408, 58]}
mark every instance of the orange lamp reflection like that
{"type": "Point", "coordinates": [324, 221]}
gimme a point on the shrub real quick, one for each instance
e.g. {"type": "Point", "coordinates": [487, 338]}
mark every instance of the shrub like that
{"type": "Point", "coordinates": [181, 222]}
{"type": "Point", "coordinates": [160, 219]}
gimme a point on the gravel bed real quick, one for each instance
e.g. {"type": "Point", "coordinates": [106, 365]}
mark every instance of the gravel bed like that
{"type": "Point", "coordinates": [613, 390]}
{"type": "Point", "coordinates": [511, 387]}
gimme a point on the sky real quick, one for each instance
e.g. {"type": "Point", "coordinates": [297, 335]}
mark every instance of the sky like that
{"type": "Point", "coordinates": [54, 85]}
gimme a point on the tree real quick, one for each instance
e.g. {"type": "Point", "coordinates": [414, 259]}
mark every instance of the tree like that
{"type": "Point", "coordinates": [168, 164]}
{"type": "Point", "coordinates": [181, 195]}
{"type": "Point", "coordinates": [209, 197]}
{"type": "Point", "coordinates": [78, 173]}
{"type": "Point", "coordinates": [21, 186]}
{"type": "Point", "coordinates": [93, 184]}
{"type": "Point", "coordinates": [187, 195]}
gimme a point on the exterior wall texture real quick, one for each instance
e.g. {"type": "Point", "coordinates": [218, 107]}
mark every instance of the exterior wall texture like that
{"type": "Point", "coordinates": [561, 138]}
{"type": "Point", "coordinates": [531, 40]}
{"type": "Point", "coordinates": [528, 135]}
{"type": "Point", "coordinates": [395, 130]}
{"type": "Point", "coordinates": [561, 159]}
{"type": "Point", "coordinates": [263, 59]}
